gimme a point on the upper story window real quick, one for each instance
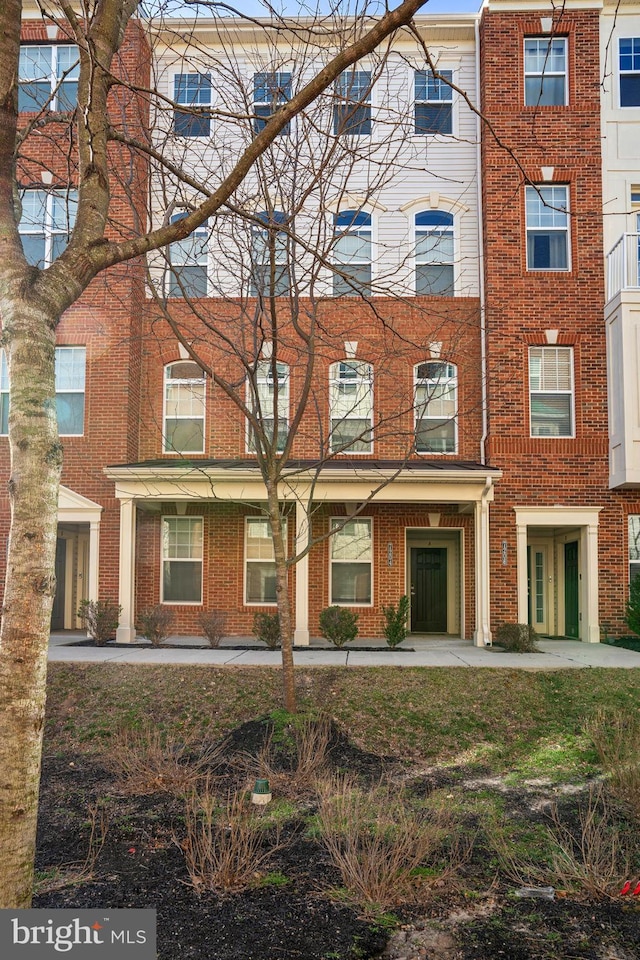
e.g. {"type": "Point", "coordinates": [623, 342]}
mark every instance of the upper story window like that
{"type": "Point", "coordinates": [433, 102]}
{"type": "Point", "coordinates": [70, 364]}
{"type": "Point", "coordinates": [192, 90]}
{"type": "Point", "coordinates": [551, 391]}
{"type": "Point", "coordinates": [268, 398]}
{"type": "Point", "coordinates": [545, 71]}
{"type": "Point", "coordinates": [547, 227]}
{"type": "Point", "coordinates": [270, 90]}
{"type": "Point", "coordinates": [184, 407]}
{"type": "Point", "coordinates": [352, 112]}
{"type": "Point", "coordinates": [182, 559]}
{"type": "Point", "coordinates": [46, 223]}
{"type": "Point", "coordinates": [270, 257]}
{"type": "Point", "coordinates": [352, 254]}
{"type": "Point", "coordinates": [48, 74]}
{"type": "Point", "coordinates": [630, 71]}
{"type": "Point", "coordinates": [351, 406]}
{"type": "Point", "coordinates": [434, 253]}
{"type": "Point", "coordinates": [189, 261]}
{"type": "Point", "coordinates": [436, 407]}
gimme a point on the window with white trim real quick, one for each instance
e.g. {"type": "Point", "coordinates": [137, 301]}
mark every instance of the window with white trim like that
{"type": "Point", "coordinates": [352, 254]}
{"type": "Point", "coordinates": [182, 559]}
{"type": "Point", "coordinates": [551, 391]}
{"type": "Point", "coordinates": [268, 399]}
{"type": "Point", "coordinates": [634, 546]}
{"type": "Point", "coordinates": [4, 394]}
{"type": "Point", "coordinates": [260, 564]}
{"type": "Point", "coordinates": [189, 262]}
{"type": "Point", "coordinates": [352, 111]}
{"type": "Point", "coordinates": [629, 51]}
{"type": "Point", "coordinates": [270, 91]}
{"type": "Point", "coordinates": [436, 406]}
{"type": "Point", "coordinates": [270, 256]}
{"type": "Point", "coordinates": [545, 71]}
{"type": "Point", "coordinates": [184, 407]}
{"type": "Point", "coordinates": [70, 364]}
{"type": "Point", "coordinates": [434, 253]}
{"type": "Point", "coordinates": [433, 102]}
{"type": "Point", "coordinates": [46, 223]}
{"type": "Point", "coordinates": [48, 74]}
{"type": "Point", "coordinates": [192, 90]}
{"type": "Point", "coordinates": [351, 406]}
{"type": "Point", "coordinates": [547, 220]}
{"type": "Point", "coordinates": [351, 563]}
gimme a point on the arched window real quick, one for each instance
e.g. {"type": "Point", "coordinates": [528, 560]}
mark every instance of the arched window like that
{"type": "Point", "coordinates": [184, 407]}
{"type": "Point", "coordinates": [270, 257]}
{"type": "Point", "coordinates": [352, 254]}
{"type": "Point", "coordinates": [351, 406]}
{"type": "Point", "coordinates": [436, 406]}
{"type": "Point", "coordinates": [268, 399]}
{"type": "Point", "coordinates": [434, 253]}
{"type": "Point", "coordinates": [189, 260]}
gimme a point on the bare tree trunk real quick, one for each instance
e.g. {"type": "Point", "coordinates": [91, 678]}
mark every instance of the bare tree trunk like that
{"type": "Point", "coordinates": [36, 460]}
{"type": "Point", "coordinates": [283, 599]}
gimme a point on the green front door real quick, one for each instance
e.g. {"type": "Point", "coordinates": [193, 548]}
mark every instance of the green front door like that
{"type": "Point", "coordinates": [57, 613]}
{"type": "Point", "coordinates": [571, 581]}
{"type": "Point", "coordinates": [429, 590]}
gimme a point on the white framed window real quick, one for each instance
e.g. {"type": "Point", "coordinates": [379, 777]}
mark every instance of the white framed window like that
{"type": "Point", "coordinates": [268, 399]}
{"type": "Point", "coordinates": [46, 223]}
{"type": "Point", "coordinates": [551, 397]}
{"type": "Point", "coordinates": [189, 262]}
{"type": "Point", "coordinates": [351, 554]}
{"type": "Point", "coordinates": [260, 564]}
{"type": "Point", "coordinates": [4, 394]}
{"type": "Point", "coordinates": [351, 406]}
{"type": "Point", "coordinates": [270, 90]}
{"type": "Point", "coordinates": [184, 407]}
{"type": "Point", "coordinates": [192, 90]}
{"type": "Point", "coordinates": [48, 74]}
{"type": "Point", "coordinates": [352, 253]}
{"type": "Point", "coordinates": [433, 102]}
{"type": "Point", "coordinates": [629, 54]}
{"type": "Point", "coordinates": [270, 257]}
{"type": "Point", "coordinates": [352, 110]}
{"type": "Point", "coordinates": [545, 71]}
{"type": "Point", "coordinates": [436, 406]}
{"type": "Point", "coordinates": [634, 545]}
{"type": "Point", "coordinates": [182, 559]}
{"type": "Point", "coordinates": [70, 364]}
{"type": "Point", "coordinates": [547, 220]}
{"type": "Point", "coordinates": [434, 253]}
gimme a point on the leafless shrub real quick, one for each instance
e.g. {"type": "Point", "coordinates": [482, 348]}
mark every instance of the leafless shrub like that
{"type": "Point", "coordinates": [294, 763]}
{"type": "Point", "coordinates": [155, 623]}
{"type": "Point", "coordinates": [213, 623]}
{"type": "Point", "coordinates": [72, 874]}
{"type": "Point", "coordinates": [616, 737]}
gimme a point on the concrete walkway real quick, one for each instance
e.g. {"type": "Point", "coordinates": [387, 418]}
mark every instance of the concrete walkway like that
{"type": "Point", "coordinates": [554, 655]}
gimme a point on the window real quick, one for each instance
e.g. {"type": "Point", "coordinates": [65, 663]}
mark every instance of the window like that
{"type": "Point", "coordinates": [269, 91]}
{"type": "Point", "coordinates": [630, 72]}
{"type": "Point", "coordinates": [46, 223]}
{"type": "Point", "coordinates": [48, 74]}
{"type": "Point", "coordinates": [352, 254]}
{"type": "Point", "coordinates": [436, 407]}
{"type": "Point", "coordinates": [351, 405]}
{"type": "Point", "coordinates": [192, 90]}
{"type": "Point", "coordinates": [551, 391]}
{"type": "Point", "coordinates": [189, 261]}
{"type": "Point", "coordinates": [184, 407]}
{"type": "Point", "coordinates": [70, 389]}
{"type": "Point", "coordinates": [182, 559]}
{"type": "Point", "coordinates": [545, 72]}
{"type": "Point", "coordinates": [351, 555]}
{"type": "Point", "coordinates": [434, 253]}
{"type": "Point", "coordinates": [634, 546]}
{"type": "Point", "coordinates": [547, 228]}
{"type": "Point", "coordinates": [270, 393]}
{"type": "Point", "coordinates": [260, 575]}
{"type": "Point", "coordinates": [433, 102]}
{"type": "Point", "coordinates": [4, 394]}
{"type": "Point", "coordinates": [352, 112]}
{"type": "Point", "coordinates": [270, 257]}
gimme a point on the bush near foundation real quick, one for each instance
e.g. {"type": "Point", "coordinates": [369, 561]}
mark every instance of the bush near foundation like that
{"type": "Point", "coordinates": [517, 637]}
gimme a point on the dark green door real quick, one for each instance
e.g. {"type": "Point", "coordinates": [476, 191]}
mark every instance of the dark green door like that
{"type": "Point", "coordinates": [571, 581]}
{"type": "Point", "coordinates": [429, 590]}
{"type": "Point", "coordinates": [57, 614]}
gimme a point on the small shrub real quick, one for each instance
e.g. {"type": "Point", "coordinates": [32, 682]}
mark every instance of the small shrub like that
{"type": "Point", "coordinates": [632, 614]}
{"type": "Point", "coordinates": [213, 623]}
{"type": "Point", "coordinates": [517, 637]}
{"type": "Point", "coordinates": [616, 737]}
{"type": "Point", "coordinates": [395, 627]}
{"type": "Point", "coordinates": [155, 623]}
{"type": "Point", "coordinates": [339, 625]}
{"type": "Point", "coordinates": [100, 618]}
{"type": "Point", "coordinates": [266, 628]}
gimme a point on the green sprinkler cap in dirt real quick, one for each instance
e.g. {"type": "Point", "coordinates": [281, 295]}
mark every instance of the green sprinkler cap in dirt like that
{"type": "Point", "coordinates": [261, 793]}
{"type": "Point", "coordinates": [261, 786]}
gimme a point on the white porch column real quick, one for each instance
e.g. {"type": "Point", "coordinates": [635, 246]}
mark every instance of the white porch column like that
{"type": "Point", "coordinates": [590, 631]}
{"type": "Point", "coordinates": [482, 633]}
{"type": "Point", "coordinates": [94, 553]}
{"type": "Point", "coordinates": [522, 573]}
{"type": "Point", "coordinates": [126, 632]}
{"type": "Point", "coordinates": [301, 633]}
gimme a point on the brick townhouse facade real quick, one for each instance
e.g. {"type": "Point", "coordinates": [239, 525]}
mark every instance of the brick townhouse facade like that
{"type": "Point", "coordinates": [461, 320]}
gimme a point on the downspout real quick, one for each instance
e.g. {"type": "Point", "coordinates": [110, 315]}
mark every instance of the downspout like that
{"type": "Point", "coordinates": [484, 564]}
{"type": "Point", "coordinates": [483, 317]}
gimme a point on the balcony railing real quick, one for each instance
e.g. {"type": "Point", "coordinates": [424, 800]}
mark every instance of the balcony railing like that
{"type": "Point", "coordinates": [623, 265]}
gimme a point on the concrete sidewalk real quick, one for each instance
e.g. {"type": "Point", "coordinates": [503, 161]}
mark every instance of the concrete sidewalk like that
{"type": "Point", "coordinates": [554, 655]}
